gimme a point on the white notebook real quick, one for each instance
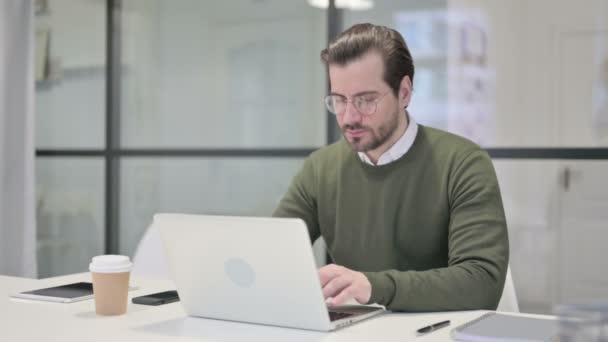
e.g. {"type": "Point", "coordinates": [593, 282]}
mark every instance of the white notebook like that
{"type": "Point", "coordinates": [500, 327]}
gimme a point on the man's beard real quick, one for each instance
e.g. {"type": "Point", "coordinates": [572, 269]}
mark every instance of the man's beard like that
{"type": "Point", "coordinates": [378, 137]}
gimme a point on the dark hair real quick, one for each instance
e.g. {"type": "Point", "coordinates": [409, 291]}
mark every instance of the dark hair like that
{"type": "Point", "coordinates": [362, 38]}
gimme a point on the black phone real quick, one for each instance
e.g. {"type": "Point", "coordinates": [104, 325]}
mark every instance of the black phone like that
{"type": "Point", "coordinates": [157, 298]}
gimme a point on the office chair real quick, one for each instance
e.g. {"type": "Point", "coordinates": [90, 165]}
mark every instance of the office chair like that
{"type": "Point", "coordinates": [508, 300]}
{"type": "Point", "coordinates": [150, 260]}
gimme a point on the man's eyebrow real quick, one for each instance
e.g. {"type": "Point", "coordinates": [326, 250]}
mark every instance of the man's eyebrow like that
{"type": "Point", "coordinates": [367, 92]}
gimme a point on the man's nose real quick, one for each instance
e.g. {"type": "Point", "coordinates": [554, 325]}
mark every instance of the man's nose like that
{"type": "Point", "coordinates": [351, 114]}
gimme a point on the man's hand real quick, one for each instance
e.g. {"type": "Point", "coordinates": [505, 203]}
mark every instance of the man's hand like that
{"type": "Point", "coordinates": [341, 284]}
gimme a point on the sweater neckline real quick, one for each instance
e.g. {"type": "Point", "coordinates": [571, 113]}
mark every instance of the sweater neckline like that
{"type": "Point", "coordinates": [405, 159]}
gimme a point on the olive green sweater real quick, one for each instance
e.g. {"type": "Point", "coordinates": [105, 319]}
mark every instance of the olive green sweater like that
{"type": "Point", "coordinates": [428, 230]}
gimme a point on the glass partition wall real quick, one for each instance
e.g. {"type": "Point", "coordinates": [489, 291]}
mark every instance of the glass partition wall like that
{"type": "Point", "coordinates": [211, 107]}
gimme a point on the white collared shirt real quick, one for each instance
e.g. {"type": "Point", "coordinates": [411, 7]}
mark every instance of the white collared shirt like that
{"type": "Point", "coordinates": [399, 148]}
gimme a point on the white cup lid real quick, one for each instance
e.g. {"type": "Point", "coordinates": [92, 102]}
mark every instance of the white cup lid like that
{"type": "Point", "coordinates": [110, 264]}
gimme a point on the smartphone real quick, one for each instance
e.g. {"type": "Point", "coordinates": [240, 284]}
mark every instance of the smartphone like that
{"type": "Point", "coordinates": [68, 293]}
{"type": "Point", "coordinates": [157, 298]}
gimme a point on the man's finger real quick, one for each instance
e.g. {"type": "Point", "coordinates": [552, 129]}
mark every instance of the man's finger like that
{"type": "Point", "coordinates": [329, 272]}
{"type": "Point", "coordinates": [342, 297]}
{"type": "Point", "coordinates": [336, 285]}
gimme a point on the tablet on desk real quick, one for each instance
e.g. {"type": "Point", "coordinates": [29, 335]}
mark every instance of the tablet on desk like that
{"type": "Point", "coordinates": [68, 293]}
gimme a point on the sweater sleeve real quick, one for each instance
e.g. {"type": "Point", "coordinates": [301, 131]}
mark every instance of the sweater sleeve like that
{"type": "Point", "coordinates": [478, 250]}
{"type": "Point", "coordinates": [300, 200]}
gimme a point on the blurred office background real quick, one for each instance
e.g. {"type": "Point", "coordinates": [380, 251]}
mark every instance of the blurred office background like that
{"type": "Point", "coordinates": [146, 106]}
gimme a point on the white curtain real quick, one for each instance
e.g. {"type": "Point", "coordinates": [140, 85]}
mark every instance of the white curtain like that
{"type": "Point", "coordinates": [17, 151]}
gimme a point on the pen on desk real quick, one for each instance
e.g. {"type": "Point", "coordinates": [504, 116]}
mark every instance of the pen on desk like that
{"type": "Point", "coordinates": [432, 327]}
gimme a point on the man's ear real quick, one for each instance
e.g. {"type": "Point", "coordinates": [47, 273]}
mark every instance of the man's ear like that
{"type": "Point", "coordinates": [405, 91]}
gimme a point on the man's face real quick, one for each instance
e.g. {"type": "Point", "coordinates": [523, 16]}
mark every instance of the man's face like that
{"type": "Point", "coordinates": [361, 80]}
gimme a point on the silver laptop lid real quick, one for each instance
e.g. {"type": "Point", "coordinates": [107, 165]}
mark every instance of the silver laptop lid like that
{"type": "Point", "coordinates": [248, 269]}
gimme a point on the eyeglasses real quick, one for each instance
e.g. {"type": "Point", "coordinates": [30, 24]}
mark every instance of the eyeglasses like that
{"type": "Point", "coordinates": [365, 104]}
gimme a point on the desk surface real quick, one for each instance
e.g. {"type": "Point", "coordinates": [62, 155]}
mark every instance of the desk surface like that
{"type": "Point", "coordinates": [33, 320]}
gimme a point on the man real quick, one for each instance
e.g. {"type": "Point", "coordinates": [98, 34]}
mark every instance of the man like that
{"type": "Point", "coordinates": [412, 216]}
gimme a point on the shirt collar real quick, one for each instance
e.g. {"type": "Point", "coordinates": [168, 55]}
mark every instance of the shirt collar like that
{"type": "Point", "coordinates": [399, 148]}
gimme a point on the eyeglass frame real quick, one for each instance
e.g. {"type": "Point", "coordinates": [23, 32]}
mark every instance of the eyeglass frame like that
{"type": "Point", "coordinates": [346, 100]}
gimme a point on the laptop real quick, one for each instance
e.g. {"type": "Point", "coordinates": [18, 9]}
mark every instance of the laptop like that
{"type": "Point", "coordinates": [250, 269]}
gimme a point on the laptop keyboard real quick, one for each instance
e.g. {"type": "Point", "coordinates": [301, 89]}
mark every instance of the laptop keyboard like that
{"type": "Point", "coordinates": [336, 315]}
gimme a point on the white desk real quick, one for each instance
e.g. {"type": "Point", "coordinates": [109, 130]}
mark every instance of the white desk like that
{"type": "Point", "coordinates": [22, 320]}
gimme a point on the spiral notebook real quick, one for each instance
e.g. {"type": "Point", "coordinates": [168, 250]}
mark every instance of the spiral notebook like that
{"type": "Point", "coordinates": [501, 328]}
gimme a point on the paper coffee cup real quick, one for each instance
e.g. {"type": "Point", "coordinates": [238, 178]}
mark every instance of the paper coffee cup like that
{"type": "Point", "coordinates": [110, 283]}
